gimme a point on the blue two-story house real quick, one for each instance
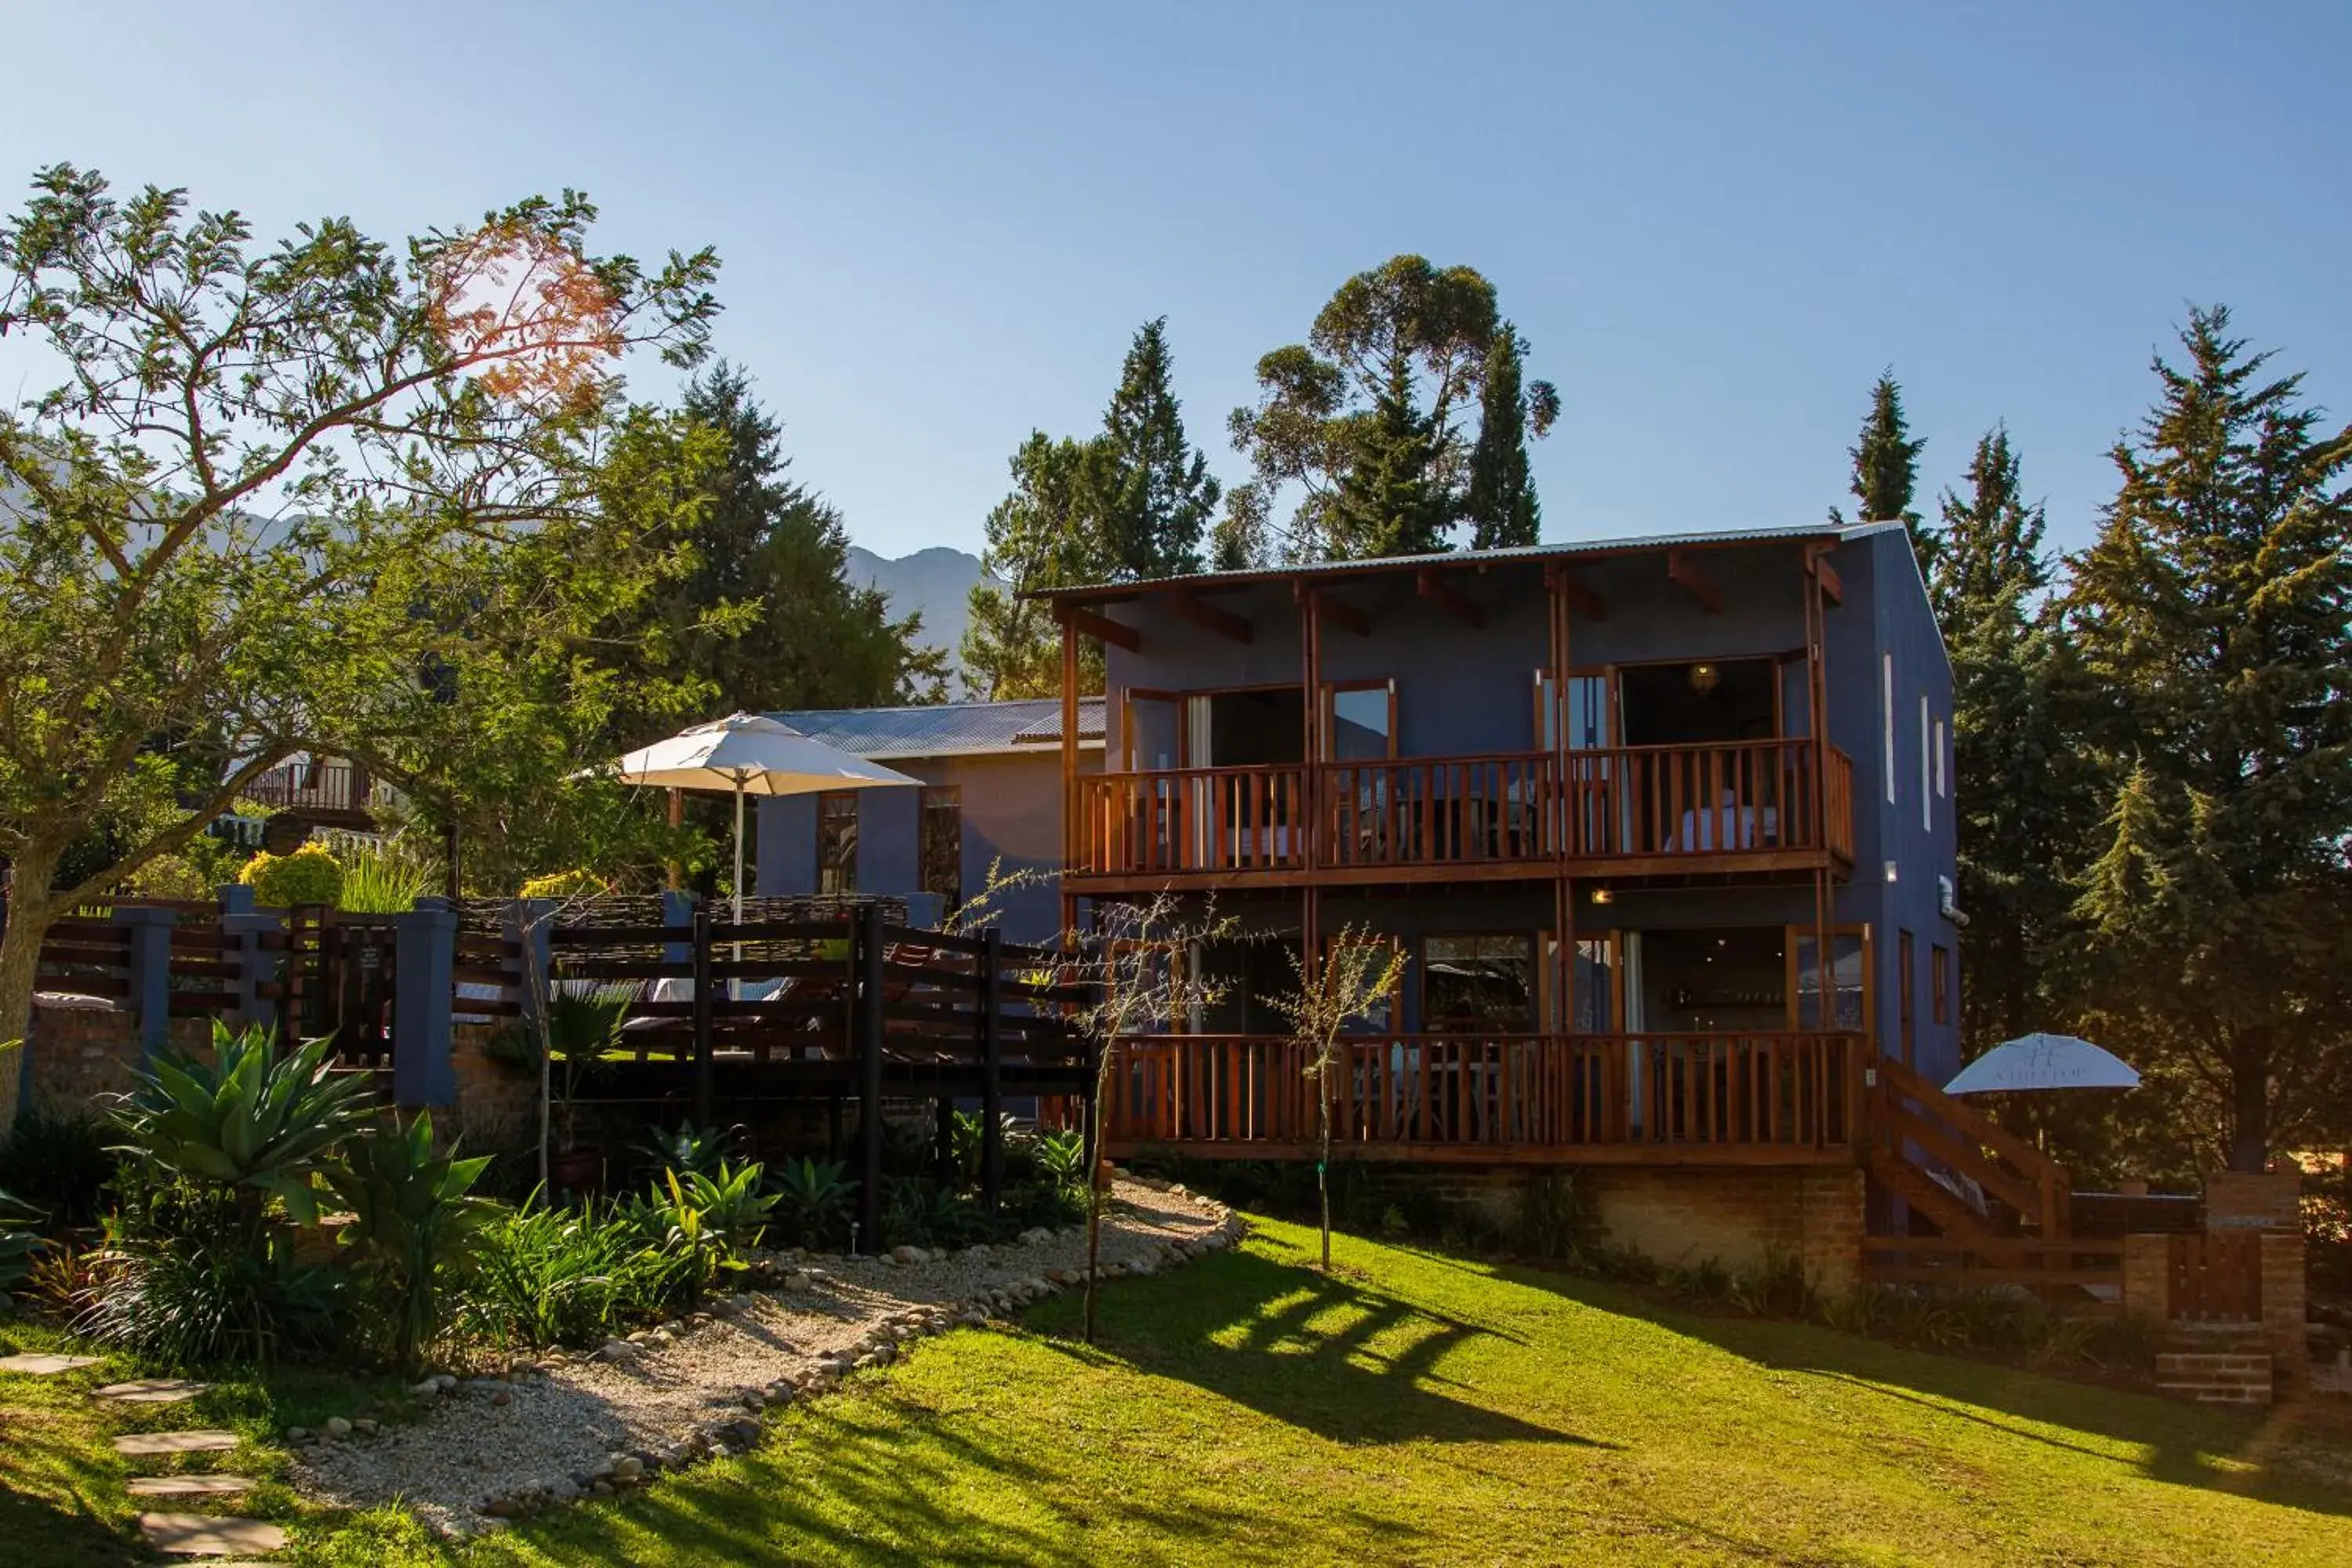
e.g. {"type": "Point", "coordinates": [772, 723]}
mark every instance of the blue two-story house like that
{"type": "Point", "coordinates": [1630, 807]}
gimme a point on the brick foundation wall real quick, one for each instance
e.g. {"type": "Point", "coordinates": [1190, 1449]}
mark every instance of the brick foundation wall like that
{"type": "Point", "coordinates": [2283, 1304]}
{"type": "Point", "coordinates": [2253, 1200]}
{"type": "Point", "coordinates": [2225, 1363]}
{"type": "Point", "coordinates": [80, 1055]}
{"type": "Point", "coordinates": [1685, 1216]}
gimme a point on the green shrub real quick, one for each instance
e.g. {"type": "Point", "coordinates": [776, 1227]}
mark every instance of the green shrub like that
{"type": "Point", "coordinates": [701, 1150]}
{"type": "Point", "coordinates": [414, 1228]}
{"type": "Point", "coordinates": [196, 1282]}
{"type": "Point", "coordinates": [547, 1275]}
{"type": "Point", "coordinates": [20, 1241]}
{"type": "Point", "coordinates": [1556, 1220]}
{"type": "Point", "coordinates": [249, 1119]}
{"type": "Point", "coordinates": [813, 1199]}
{"type": "Point", "coordinates": [384, 879]}
{"type": "Point", "coordinates": [309, 876]}
{"type": "Point", "coordinates": [172, 877]}
{"type": "Point", "coordinates": [58, 1162]}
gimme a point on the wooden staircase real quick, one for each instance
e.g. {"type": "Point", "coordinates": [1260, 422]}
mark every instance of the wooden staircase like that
{"type": "Point", "coordinates": [2023, 1234]}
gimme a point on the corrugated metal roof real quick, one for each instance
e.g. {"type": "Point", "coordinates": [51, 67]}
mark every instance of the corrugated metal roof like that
{"type": "Point", "coordinates": [1568, 550]}
{"type": "Point", "coordinates": [946, 729]}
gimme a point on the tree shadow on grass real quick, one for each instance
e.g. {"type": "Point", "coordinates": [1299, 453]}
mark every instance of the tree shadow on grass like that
{"type": "Point", "coordinates": [1328, 1353]}
{"type": "Point", "coordinates": [2179, 1443]}
{"type": "Point", "coordinates": [53, 1490]}
{"type": "Point", "coordinates": [886, 1480]}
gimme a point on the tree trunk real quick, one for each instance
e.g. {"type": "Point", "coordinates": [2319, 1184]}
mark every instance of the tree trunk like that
{"type": "Point", "coordinates": [2249, 1083]}
{"type": "Point", "coordinates": [1094, 1188]}
{"type": "Point", "coordinates": [29, 913]}
{"type": "Point", "coordinates": [1323, 1161]}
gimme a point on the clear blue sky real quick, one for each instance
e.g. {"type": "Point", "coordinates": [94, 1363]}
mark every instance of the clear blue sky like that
{"type": "Point", "coordinates": [940, 224]}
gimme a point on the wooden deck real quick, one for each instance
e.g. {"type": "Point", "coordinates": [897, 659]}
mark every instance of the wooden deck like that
{"type": "Point", "coordinates": [1654, 1098]}
{"type": "Point", "coordinates": [1747, 807]}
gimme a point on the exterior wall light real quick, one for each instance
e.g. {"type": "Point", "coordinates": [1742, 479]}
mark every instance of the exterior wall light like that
{"type": "Point", "coordinates": [1890, 871]}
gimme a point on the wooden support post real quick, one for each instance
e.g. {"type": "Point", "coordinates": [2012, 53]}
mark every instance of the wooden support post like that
{"type": "Point", "coordinates": [991, 1070]}
{"type": "Point", "coordinates": [1070, 833]}
{"type": "Point", "coordinates": [702, 1015]}
{"type": "Point", "coordinates": [673, 872]}
{"type": "Point", "coordinates": [868, 1025]}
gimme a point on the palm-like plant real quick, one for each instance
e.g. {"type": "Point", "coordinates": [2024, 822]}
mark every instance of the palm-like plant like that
{"type": "Point", "coordinates": [251, 1119]}
{"type": "Point", "coordinates": [20, 1243]}
{"type": "Point", "coordinates": [814, 1196]}
{"type": "Point", "coordinates": [414, 1222]}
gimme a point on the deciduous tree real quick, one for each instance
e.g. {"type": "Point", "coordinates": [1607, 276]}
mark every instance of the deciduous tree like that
{"type": "Point", "coordinates": [290, 498]}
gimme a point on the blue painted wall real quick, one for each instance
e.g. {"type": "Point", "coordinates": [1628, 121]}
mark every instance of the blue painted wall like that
{"type": "Point", "coordinates": [1012, 812]}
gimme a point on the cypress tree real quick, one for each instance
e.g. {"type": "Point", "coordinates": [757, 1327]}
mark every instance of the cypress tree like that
{"type": "Point", "coordinates": [1501, 503]}
{"type": "Point", "coordinates": [2211, 616]}
{"type": "Point", "coordinates": [1154, 492]}
{"type": "Point", "coordinates": [1886, 460]}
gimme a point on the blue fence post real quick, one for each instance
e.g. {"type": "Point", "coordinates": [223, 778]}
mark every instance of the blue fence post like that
{"type": "Point", "coordinates": [677, 910]}
{"type": "Point", "coordinates": [424, 949]}
{"type": "Point", "coordinates": [148, 956]}
{"type": "Point", "coordinates": [255, 966]}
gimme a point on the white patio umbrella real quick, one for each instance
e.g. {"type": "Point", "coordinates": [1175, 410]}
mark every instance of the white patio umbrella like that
{"type": "Point", "coordinates": [2039, 1061]}
{"type": "Point", "coordinates": [746, 754]}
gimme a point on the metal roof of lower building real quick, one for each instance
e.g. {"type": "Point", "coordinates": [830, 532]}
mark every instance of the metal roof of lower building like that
{"type": "Point", "coordinates": [947, 729]}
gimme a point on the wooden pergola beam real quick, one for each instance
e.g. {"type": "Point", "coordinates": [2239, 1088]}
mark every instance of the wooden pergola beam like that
{"type": "Point", "coordinates": [1200, 613]}
{"type": "Point", "coordinates": [1682, 568]}
{"type": "Point", "coordinates": [1079, 618]}
{"type": "Point", "coordinates": [1342, 613]}
{"type": "Point", "coordinates": [1439, 591]}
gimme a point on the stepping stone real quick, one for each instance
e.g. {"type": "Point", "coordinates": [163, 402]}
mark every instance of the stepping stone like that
{"type": "Point", "coordinates": [141, 1445]}
{"type": "Point", "coordinates": [205, 1535]}
{"type": "Point", "coordinates": [187, 1486]}
{"type": "Point", "coordinates": [45, 1365]}
{"type": "Point", "coordinates": [151, 1391]}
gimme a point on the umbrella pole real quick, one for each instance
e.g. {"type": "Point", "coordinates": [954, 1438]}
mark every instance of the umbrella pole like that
{"type": "Point", "coordinates": [739, 875]}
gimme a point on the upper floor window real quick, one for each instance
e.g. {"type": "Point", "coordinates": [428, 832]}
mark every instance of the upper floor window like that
{"type": "Point", "coordinates": [1943, 774]}
{"type": "Point", "coordinates": [836, 842]}
{"type": "Point", "coordinates": [1887, 708]}
{"type": "Point", "coordinates": [1927, 765]}
{"type": "Point", "coordinates": [942, 843]}
{"type": "Point", "coordinates": [1360, 720]}
{"type": "Point", "coordinates": [1939, 982]}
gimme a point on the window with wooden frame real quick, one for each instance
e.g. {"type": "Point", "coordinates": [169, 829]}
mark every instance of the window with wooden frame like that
{"type": "Point", "coordinates": [941, 847]}
{"type": "Point", "coordinates": [1360, 720]}
{"type": "Point", "coordinates": [1854, 1008]}
{"type": "Point", "coordinates": [1478, 982]}
{"type": "Point", "coordinates": [1592, 708]}
{"type": "Point", "coordinates": [836, 842]}
{"type": "Point", "coordinates": [1939, 982]}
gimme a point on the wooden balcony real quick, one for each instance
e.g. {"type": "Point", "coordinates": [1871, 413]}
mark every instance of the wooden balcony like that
{"type": "Point", "coordinates": [1750, 807]}
{"type": "Point", "coordinates": [1770, 1099]}
{"type": "Point", "coordinates": [338, 795]}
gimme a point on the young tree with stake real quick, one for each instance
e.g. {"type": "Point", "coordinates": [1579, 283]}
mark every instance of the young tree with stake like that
{"type": "Point", "coordinates": [1360, 972]}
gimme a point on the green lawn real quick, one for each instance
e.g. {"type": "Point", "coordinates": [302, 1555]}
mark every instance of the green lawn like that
{"type": "Point", "coordinates": [1428, 1410]}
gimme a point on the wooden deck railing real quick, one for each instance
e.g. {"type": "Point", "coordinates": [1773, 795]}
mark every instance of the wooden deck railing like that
{"type": "Point", "coordinates": [1422, 811]}
{"type": "Point", "coordinates": [1522, 1094]}
{"type": "Point", "coordinates": [1672, 804]}
{"type": "Point", "coordinates": [1190, 819]}
{"type": "Point", "coordinates": [327, 788]}
{"type": "Point", "coordinates": [1916, 1121]}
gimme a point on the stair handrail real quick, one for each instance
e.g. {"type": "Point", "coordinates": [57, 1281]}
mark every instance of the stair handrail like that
{"type": "Point", "coordinates": [1897, 1083]}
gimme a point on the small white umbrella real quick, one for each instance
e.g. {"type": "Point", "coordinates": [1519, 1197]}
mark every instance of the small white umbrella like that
{"type": "Point", "coordinates": [747, 755]}
{"type": "Point", "coordinates": [2040, 1061]}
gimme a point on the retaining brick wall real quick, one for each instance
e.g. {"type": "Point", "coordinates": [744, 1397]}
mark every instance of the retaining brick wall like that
{"type": "Point", "coordinates": [80, 1055]}
{"type": "Point", "coordinates": [1736, 1217]}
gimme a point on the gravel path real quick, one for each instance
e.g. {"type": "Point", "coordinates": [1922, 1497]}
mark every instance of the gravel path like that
{"type": "Point", "coordinates": [605, 1421]}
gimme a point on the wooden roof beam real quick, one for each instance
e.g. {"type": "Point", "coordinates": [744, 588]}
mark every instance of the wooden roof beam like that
{"type": "Point", "coordinates": [1202, 613]}
{"type": "Point", "coordinates": [1580, 598]}
{"type": "Point", "coordinates": [1439, 591]}
{"type": "Point", "coordinates": [1682, 568]}
{"type": "Point", "coordinates": [1342, 613]}
{"type": "Point", "coordinates": [1817, 562]}
{"type": "Point", "coordinates": [1079, 618]}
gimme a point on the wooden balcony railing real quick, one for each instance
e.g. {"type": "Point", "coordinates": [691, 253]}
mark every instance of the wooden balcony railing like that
{"type": "Point", "coordinates": [1695, 802]}
{"type": "Point", "coordinates": [1684, 805]}
{"type": "Point", "coordinates": [1190, 819]}
{"type": "Point", "coordinates": [1509, 1093]}
{"type": "Point", "coordinates": [1425, 811]}
{"type": "Point", "coordinates": [325, 788]}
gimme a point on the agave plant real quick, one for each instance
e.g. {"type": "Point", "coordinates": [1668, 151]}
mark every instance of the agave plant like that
{"type": "Point", "coordinates": [699, 1150]}
{"type": "Point", "coordinates": [251, 1119]}
{"type": "Point", "coordinates": [414, 1223]}
{"type": "Point", "coordinates": [815, 1197]}
{"type": "Point", "coordinates": [1063, 1157]}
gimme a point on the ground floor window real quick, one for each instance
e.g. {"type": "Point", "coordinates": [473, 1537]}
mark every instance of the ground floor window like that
{"type": "Point", "coordinates": [1939, 979]}
{"type": "Point", "coordinates": [1478, 982]}
{"type": "Point", "coordinates": [942, 843]}
{"type": "Point", "coordinates": [836, 842]}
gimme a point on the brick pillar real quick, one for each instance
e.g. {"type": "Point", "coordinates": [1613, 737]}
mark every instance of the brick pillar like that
{"type": "Point", "coordinates": [2148, 1277]}
{"type": "Point", "coordinates": [2245, 1200]}
{"type": "Point", "coordinates": [425, 952]}
{"type": "Point", "coordinates": [2283, 1305]}
{"type": "Point", "coordinates": [1830, 1215]}
{"type": "Point", "coordinates": [149, 957]}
